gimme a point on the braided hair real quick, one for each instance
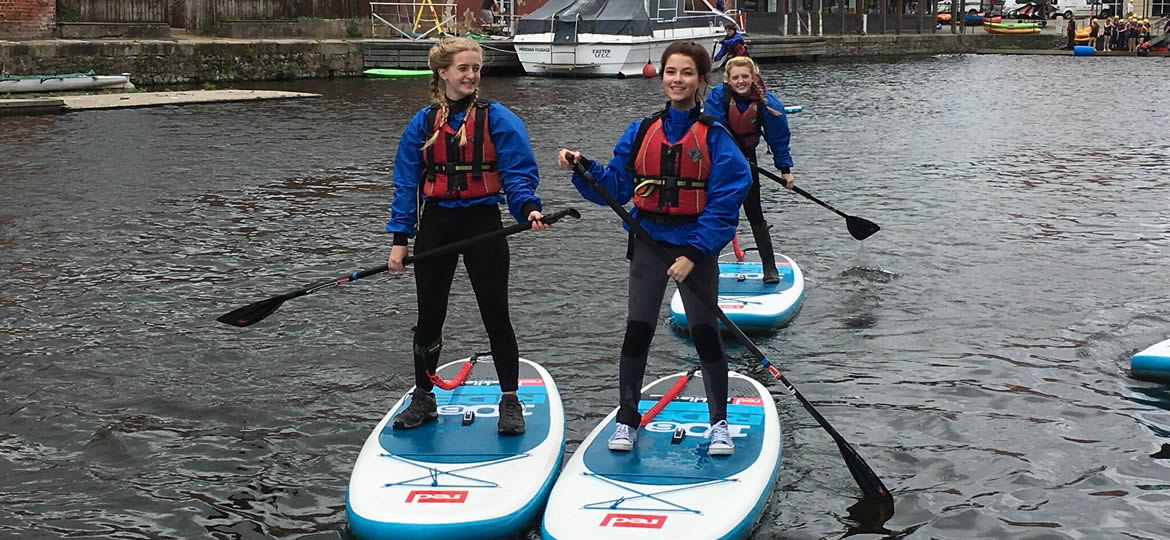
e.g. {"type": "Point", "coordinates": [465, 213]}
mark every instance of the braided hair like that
{"type": "Point", "coordinates": [441, 56]}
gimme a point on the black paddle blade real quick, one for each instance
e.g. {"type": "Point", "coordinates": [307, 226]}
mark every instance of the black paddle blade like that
{"type": "Point", "coordinates": [861, 228]}
{"type": "Point", "coordinates": [871, 486]}
{"type": "Point", "coordinates": [252, 313]}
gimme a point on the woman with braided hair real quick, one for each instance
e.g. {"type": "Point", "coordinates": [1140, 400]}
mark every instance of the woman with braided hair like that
{"type": "Point", "coordinates": [743, 105]}
{"type": "Point", "coordinates": [457, 160]}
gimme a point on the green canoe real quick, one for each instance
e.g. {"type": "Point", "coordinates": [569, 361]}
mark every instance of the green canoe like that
{"type": "Point", "coordinates": [396, 73]}
{"type": "Point", "coordinates": [1011, 26]}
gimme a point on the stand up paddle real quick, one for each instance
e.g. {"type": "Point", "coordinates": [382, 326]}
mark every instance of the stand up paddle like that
{"type": "Point", "coordinates": [860, 228]}
{"type": "Point", "coordinates": [254, 313]}
{"type": "Point", "coordinates": [871, 486]}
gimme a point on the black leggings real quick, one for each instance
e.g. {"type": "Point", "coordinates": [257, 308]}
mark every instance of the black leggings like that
{"type": "Point", "coordinates": [751, 205]}
{"type": "Point", "coordinates": [487, 265]}
{"type": "Point", "coordinates": [648, 281]}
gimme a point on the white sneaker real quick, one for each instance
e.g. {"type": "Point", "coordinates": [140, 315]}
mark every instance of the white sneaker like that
{"type": "Point", "coordinates": [721, 444]}
{"type": "Point", "coordinates": [623, 438]}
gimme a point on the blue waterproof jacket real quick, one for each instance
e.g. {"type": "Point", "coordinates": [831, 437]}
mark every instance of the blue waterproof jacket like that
{"type": "Point", "coordinates": [727, 185]}
{"type": "Point", "coordinates": [727, 44]}
{"type": "Point", "coordinates": [776, 132]}
{"type": "Point", "coordinates": [517, 166]}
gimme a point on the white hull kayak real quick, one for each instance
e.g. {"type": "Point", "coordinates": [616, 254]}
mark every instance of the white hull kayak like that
{"type": "Point", "coordinates": [63, 83]}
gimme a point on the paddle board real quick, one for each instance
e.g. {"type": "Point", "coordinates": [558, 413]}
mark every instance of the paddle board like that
{"type": "Point", "coordinates": [1152, 363]}
{"type": "Point", "coordinates": [793, 109]}
{"type": "Point", "coordinates": [380, 73]}
{"type": "Point", "coordinates": [746, 299]}
{"type": "Point", "coordinates": [457, 477]}
{"type": "Point", "coordinates": [667, 487]}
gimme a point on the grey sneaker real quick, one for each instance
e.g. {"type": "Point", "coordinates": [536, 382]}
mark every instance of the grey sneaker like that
{"type": "Point", "coordinates": [420, 411]}
{"type": "Point", "coordinates": [623, 438]}
{"type": "Point", "coordinates": [721, 444]}
{"type": "Point", "coordinates": [511, 420]}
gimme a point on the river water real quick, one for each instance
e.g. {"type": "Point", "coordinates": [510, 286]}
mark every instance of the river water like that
{"type": "Point", "coordinates": [975, 351]}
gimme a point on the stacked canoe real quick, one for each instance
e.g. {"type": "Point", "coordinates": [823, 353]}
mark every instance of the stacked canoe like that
{"type": "Point", "coordinates": [1011, 28]}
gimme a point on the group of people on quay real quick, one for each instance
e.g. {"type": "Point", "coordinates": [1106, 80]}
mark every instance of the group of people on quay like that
{"type": "Point", "coordinates": [462, 156]}
{"type": "Point", "coordinates": [1117, 34]}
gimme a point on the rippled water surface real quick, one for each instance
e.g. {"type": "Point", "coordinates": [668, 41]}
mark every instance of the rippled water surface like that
{"type": "Point", "coordinates": [975, 351]}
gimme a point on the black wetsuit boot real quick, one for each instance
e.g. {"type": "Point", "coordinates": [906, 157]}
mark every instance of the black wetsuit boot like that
{"type": "Point", "coordinates": [767, 256]}
{"type": "Point", "coordinates": [422, 408]}
{"type": "Point", "coordinates": [511, 420]}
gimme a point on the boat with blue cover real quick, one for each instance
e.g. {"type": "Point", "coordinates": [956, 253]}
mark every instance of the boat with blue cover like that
{"type": "Point", "coordinates": [456, 477]}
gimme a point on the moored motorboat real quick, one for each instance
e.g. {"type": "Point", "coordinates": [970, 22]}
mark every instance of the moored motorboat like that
{"type": "Point", "coordinates": [68, 82]}
{"type": "Point", "coordinates": [609, 39]}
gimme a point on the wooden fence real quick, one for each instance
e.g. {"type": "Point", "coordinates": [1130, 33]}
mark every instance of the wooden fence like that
{"type": "Point", "coordinates": [114, 10]}
{"type": "Point", "coordinates": [199, 14]}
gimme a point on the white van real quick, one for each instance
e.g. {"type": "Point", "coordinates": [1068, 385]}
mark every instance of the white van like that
{"type": "Point", "coordinates": [969, 6]}
{"type": "Point", "coordinates": [1085, 8]}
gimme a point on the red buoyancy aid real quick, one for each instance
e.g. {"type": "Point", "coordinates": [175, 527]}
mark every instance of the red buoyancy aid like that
{"type": "Point", "coordinates": [739, 49]}
{"type": "Point", "coordinates": [670, 180]}
{"type": "Point", "coordinates": [460, 172]}
{"type": "Point", "coordinates": [747, 126]}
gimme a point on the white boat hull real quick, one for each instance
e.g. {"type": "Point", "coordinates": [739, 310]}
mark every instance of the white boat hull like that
{"type": "Point", "coordinates": [603, 55]}
{"type": "Point", "coordinates": [64, 84]}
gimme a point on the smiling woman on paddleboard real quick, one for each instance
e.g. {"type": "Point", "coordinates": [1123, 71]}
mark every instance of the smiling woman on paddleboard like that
{"type": "Point", "coordinates": [687, 179]}
{"type": "Point", "coordinates": [457, 160]}
{"type": "Point", "coordinates": [749, 111]}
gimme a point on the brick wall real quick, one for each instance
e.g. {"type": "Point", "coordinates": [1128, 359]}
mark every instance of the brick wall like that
{"type": "Point", "coordinates": [27, 18]}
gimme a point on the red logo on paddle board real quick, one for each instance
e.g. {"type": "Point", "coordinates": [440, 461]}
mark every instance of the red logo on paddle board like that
{"type": "Point", "coordinates": [747, 401]}
{"type": "Point", "coordinates": [640, 521]}
{"type": "Point", "coordinates": [731, 306]}
{"type": "Point", "coordinates": [436, 496]}
{"type": "Point", "coordinates": [530, 382]}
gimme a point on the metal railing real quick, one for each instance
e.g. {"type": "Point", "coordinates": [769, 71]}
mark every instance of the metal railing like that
{"type": "Point", "coordinates": [408, 18]}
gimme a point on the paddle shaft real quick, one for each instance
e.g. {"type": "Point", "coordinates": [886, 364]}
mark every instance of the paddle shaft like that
{"type": "Point", "coordinates": [802, 192]}
{"type": "Point", "coordinates": [447, 249]}
{"type": "Point", "coordinates": [253, 313]}
{"type": "Point", "coordinates": [856, 464]}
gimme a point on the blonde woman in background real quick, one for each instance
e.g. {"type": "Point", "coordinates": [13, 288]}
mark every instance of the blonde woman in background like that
{"type": "Point", "coordinates": [743, 105]}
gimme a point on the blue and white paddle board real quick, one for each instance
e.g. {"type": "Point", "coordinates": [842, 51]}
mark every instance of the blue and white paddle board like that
{"type": "Point", "coordinates": [453, 479]}
{"type": "Point", "coordinates": [1152, 363]}
{"type": "Point", "coordinates": [675, 490]}
{"type": "Point", "coordinates": [745, 298]}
